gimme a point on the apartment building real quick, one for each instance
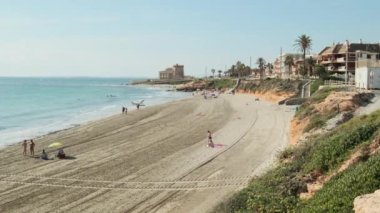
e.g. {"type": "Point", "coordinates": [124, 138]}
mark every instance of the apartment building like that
{"type": "Point", "coordinates": [281, 69]}
{"type": "Point", "coordinates": [340, 58]}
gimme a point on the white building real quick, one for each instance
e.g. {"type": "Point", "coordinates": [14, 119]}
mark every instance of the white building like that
{"type": "Point", "coordinates": [175, 72]}
{"type": "Point", "coordinates": [367, 74]}
{"type": "Point", "coordinates": [283, 70]}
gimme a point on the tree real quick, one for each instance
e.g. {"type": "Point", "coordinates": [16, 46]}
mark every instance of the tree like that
{"type": "Point", "coordinates": [302, 71]}
{"type": "Point", "coordinates": [303, 43]}
{"type": "Point", "coordinates": [321, 72]}
{"type": "Point", "coordinates": [212, 71]}
{"type": "Point", "coordinates": [270, 68]}
{"type": "Point", "coordinates": [240, 68]}
{"type": "Point", "coordinates": [310, 64]}
{"type": "Point", "coordinates": [220, 73]}
{"type": "Point", "coordinates": [247, 71]}
{"type": "Point", "coordinates": [261, 64]}
{"type": "Point", "coordinates": [232, 71]}
{"type": "Point", "coordinates": [289, 61]}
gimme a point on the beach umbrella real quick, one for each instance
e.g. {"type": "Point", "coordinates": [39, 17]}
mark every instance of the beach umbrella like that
{"type": "Point", "coordinates": [55, 144]}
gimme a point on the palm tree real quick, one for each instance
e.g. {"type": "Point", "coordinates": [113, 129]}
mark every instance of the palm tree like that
{"type": "Point", "coordinates": [212, 71]}
{"type": "Point", "coordinates": [303, 43]}
{"type": "Point", "coordinates": [247, 71]}
{"type": "Point", "coordinates": [270, 68]}
{"type": "Point", "coordinates": [289, 61]}
{"type": "Point", "coordinates": [311, 63]}
{"type": "Point", "coordinates": [220, 73]}
{"type": "Point", "coordinates": [239, 68]}
{"type": "Point", "coordinates": [232, 71]}
{"type": "Point", "coordinates": [261, 64]}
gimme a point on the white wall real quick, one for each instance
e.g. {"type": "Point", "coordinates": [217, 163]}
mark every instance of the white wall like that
{"type": "Point", "coordinates": [363, 80]}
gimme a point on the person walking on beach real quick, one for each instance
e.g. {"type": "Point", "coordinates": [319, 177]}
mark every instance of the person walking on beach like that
{"type": "Point", "coordinates": [24, 144]}
{"type": "Point", "coordinates": [123, 110]}
{"type": "Point", "coordinates": [210, 143]}
{"type": "Point", "coordinates": [32, 144]}
{"type": "Point", "coordinates": [126, 110]}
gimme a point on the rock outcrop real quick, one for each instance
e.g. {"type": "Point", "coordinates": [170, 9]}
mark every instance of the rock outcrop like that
{"type": "Point", "coordinates": [369, 203]}
{"type": "Point", "coordinates": [192, 86]}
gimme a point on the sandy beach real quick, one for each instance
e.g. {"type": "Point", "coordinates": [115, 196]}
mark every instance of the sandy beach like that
{"type": "Point", "coordinates": [151, 160]}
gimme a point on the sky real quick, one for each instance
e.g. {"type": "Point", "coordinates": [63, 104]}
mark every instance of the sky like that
{"type": "Point", "coordinates": [122, 38]}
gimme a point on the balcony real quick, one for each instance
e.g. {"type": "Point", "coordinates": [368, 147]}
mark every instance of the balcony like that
{"type": "Point", "coordinates": [326, 61]}
{"type": "Point", "coordinates": [367, 63]}
{"type": "Point", "coordinates": [342, 68]}
{"type": "Point", "coordinates": [341, 59]}
{"type": "Point", "coordinates": [330, 68]}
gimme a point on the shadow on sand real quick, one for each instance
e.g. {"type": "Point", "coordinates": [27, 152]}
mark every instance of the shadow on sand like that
{"type": "Point", "coordinates": [54, 158]}
{"type": "Point", "coordinates": [69, 158]}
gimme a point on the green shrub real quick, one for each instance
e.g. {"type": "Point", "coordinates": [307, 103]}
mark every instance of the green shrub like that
{"type": "Point", "coordinates": [221, 83]}
{"type": "Point", "coordinates": [319, 120]}
{"type": "Point", "coordinates": [316, 122]}
{"type": "Point", "coordinates": [339, 193]}
{"type": "Point", "coordinates": [278, 190]}
{"type": "Point", "coordinates": [315, 85]}
{"type": "Point", "coordinates": [274, 85]}
{"type": "Point", "coordinates": [329, 153]}
{"type": "Point", "coordinates": [321, 95]}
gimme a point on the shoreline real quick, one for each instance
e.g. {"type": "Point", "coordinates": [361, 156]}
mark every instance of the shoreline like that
{"type": "Point", "coordinates": [70, 126]}
{"type": "Point", "coordinates": [148, 155]}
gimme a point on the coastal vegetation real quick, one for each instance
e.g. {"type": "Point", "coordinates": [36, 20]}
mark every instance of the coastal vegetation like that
{"type": "Point", "coordinates": [317, 118]}
{"type": "Point", "coordinates": [221, 83]}
{"type": "Point", "coordinates": [289, 61]}
{"type": "Point", "coordinates": [239, 70]}
{"type": "Point", "coordinates": [261, 64]}
{"type": "Point", "coordinates": [281, 188]}
{"type": "Point", "coordinates": [327, 103]}
{"type": "Point", "coordinates": [273, 85]}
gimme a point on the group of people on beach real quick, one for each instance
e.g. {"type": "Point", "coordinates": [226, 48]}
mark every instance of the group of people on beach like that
{"type": "Point", "coordinates": [60, 155]}
{"type": "Point", "coordinates": [210, 94]}
{"type": "Point", "coordinates": [124, 110]}
{"type": "Point", "coordinates": [31, 147]}
{"type": "Point", "coordinates": [44, 156]}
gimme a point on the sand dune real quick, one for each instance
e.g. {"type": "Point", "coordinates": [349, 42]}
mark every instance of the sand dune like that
{"type": "Point", "coordinates": [152, 160]}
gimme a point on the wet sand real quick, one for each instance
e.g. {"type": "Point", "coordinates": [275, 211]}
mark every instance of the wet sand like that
{"type": "Point", "coordinates": [151, 160]}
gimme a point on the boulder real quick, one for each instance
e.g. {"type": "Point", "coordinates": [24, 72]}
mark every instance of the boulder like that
{"type": "Point", "coordinates": [369, 203]}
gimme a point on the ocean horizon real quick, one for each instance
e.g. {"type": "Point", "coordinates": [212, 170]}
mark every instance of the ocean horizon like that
{"type": "Point", "coordinates": [35, 106]}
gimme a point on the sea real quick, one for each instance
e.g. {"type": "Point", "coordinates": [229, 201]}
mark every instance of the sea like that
{"type": "Point", "coordinates": [34, 106]}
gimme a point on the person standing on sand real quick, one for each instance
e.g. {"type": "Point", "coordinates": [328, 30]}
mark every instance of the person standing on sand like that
{"type": "Point", "coordinates": [210, 143]}
{"type": "Point", "coordinates": [24, 144]}
{"type": "Point", "coordinates": [32, 148]}
{"type": "Point", "coordinates": [123, 110]}
{"type": "Point", "coordinates": [126, 110]}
